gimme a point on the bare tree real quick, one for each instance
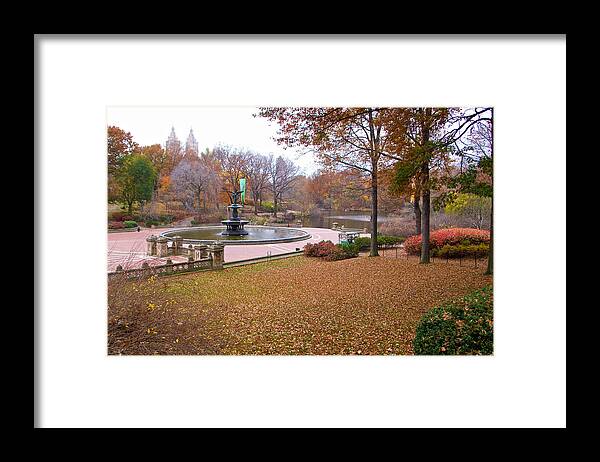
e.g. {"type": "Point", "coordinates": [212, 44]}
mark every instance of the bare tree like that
{"type": "Point", "coordinates": [282, 174]}
{"type": "Point", "coordinates": [191, 180]}
{"type": "Point", "coordinates": [257, 171]}
{"type": "Point", "coordinates": [233, 162]}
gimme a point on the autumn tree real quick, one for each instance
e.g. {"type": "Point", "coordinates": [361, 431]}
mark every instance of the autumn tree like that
{"type": "Point", "coordinates": [120, 144]}
{"type": "Point", "coordinates": [340, 137]}
{"type": "Point", "coordinates": [161, 161]}
{"type": "Point", "coordinates": [471, 206]}
{"type": "Point", "coordinates": [424, 139]}
{"type": "Point", "coordinates": [233, 162]}
{"type": "Point", "coordinates": [319, 187]}
{"type": "Point", "coordinates": [136, 178]}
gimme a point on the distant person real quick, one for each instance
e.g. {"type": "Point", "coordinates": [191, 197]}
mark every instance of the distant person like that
{"type": "Point", "coordinates": [138, 229]}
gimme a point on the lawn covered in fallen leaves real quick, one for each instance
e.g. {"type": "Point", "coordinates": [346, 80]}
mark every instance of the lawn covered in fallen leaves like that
{"type": "Point", "coordinates": [293, 306]}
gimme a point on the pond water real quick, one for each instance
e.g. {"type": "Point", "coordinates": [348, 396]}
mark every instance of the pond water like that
{"type": "Point", "coordinates": [260, 234]}
{"type": "Point", "coordinates": [354, 220]}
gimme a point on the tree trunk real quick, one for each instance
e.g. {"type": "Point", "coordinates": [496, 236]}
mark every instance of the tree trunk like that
{"type": "Point", "coordinates": [417, 210]}
{"type": "Point", "coordinates": [490, 265]}
{"type": "Point", "coordinates": [275, 204]}
{"type": "Point", "coordinates": [129, 207]}
{"type": "Point", "coordinates": [425, 215]}
{"type": "Point", "coordinates": [374, 252]}
{"type": "Point", "coordinates": [425, 192]}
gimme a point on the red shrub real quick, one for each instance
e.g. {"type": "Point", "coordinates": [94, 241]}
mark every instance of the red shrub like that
{"type": "Point", "coordinates": [449, 236]}
{"type": "Point", "coordinates": [320, 249]}
{"type": "Point", "coordinates": [121, 216]}
{"type": "Point", "coordinates": [115, 225]}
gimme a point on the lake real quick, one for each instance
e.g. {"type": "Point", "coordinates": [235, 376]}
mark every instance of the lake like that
{"type": "Point", "coordinates": [357, 220]}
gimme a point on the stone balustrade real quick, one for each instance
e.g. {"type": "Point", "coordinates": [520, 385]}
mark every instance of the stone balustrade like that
{"type": "Point", "coordinates": [162, 249]}
{"type": "Point", "coordinates": [169, 268]}
{"type": "Point", "coordinates": [158, 247]}
{"type": "Point", "coordinates": [200, 251]}
{"type": "Point", "coordinates": [217, 253]}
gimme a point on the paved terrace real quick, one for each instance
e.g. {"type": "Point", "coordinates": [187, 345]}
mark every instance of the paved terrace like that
{"type": "Point", "coordinates": [128, 248]}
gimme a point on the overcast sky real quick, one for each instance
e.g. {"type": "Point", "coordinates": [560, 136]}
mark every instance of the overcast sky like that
{"type": "Point", "coordinates": [212, 125]}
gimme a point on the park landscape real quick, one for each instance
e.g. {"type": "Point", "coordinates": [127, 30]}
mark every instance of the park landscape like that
{"type": "Point", "coordinates": [362, 231]}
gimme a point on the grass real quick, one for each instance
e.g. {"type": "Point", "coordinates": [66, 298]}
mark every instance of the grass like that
{"type": "Point", "coordinates": [293, 306]}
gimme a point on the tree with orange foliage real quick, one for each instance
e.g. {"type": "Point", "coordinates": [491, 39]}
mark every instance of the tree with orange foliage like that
{"type": "Point", "coordinates": [354, 138]}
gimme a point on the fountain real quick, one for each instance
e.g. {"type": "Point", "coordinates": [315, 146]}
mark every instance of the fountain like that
{"type": "Point", "coordinates": [235, 224]}
{"type": "Point", "coordinates": [234, 232]}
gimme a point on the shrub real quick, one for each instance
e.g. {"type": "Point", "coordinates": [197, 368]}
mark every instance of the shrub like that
{"type": "Point", "coordinates": [129, 224]}
{"type": "Point", "coordinates": [338, 253]}
{"type": "Point", "coordinates": [115, 225]}
{"type": "Point", "coordinates": [329, 251]}
{"type": "Point", "coordinates": [349, 246]}
{"type": "Point", "coordinates": [449, 236]}
{"type": "Point", "coordinates": [150, 223]}
{"type": "Point", "coordinates": [462, 251]}
{"type": "Point", "coordinates": [364, 243]}
{"type": "Point", "coordinates": [267, 206]}
{"type": "Point", "coordinates": [460, 327]}
{"type": "Point", "coordinates": [120, 216]}
{"type": "Point", "coordinates": [383, 241]}
{"type": "Point", "coordinates": [319, 249]}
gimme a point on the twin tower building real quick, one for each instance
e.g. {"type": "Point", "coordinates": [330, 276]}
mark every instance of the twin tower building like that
{"type": "Point", "coordinates": [174, 147]}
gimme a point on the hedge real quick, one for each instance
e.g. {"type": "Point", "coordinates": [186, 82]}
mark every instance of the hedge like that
{"type": "Point", "coordinates": [460, 327]}
{"type": "Point", "coordinates": [449, 236]}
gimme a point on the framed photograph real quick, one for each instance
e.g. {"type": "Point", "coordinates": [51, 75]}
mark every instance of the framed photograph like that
{"type": "Point", "coordinates": [262, 232]}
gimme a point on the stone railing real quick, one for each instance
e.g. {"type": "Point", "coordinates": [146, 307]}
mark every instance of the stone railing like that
{"type": "Point", "coordinates": [159, 247]}
{"type": "Point", "coordinates": [169, 268]}
{"type": "Point", "coordinates": [200, 258]}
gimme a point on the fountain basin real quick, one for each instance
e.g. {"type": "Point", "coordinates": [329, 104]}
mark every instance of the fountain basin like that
{"type": "Point", "coordinates": [256, 235]}
{"type": "Point", "coordinates": [235, 227]}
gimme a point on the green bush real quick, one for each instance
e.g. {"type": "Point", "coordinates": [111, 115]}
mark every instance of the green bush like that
{"type": "Point", "coordinates": [364, 243]}
{"type": "Point", "coordinates": [384, 241]}
{"type": "Point", "coordinates": [130, 224]}
{"type": "Point", "coordinates": [461, 327]}
{"type": "Point", "coordinates": [267, 206]}
{"type": "Point", "coordinates": [350, 248]}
